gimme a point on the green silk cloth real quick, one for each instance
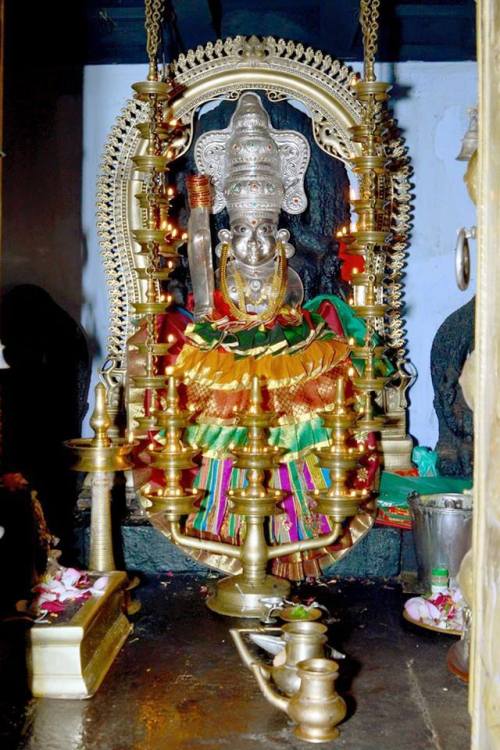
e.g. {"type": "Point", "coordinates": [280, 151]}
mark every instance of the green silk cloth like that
{"type": "Point", "coordinates": [218, 440]}
{"type": "Point", "coordinates": [261, 340]}
{"type": "Point", "coordinates": [354, 328]}
{"type": "Point", "coordinates": [394, 489]}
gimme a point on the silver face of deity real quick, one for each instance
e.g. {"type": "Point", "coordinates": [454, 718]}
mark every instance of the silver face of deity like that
{"type": "Point", "coordinates": [253, 241]}
{"type": "Point", "coordinates": [256, 172]}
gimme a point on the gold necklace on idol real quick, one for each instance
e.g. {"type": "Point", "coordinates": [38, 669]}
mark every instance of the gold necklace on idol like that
{"type": "Point", "coordinates": [276, 296]}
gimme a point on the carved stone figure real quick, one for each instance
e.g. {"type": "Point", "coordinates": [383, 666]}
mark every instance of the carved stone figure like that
{"type": "Point", "coordinates": [452, 344]}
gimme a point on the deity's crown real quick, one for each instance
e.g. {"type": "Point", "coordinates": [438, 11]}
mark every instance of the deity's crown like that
{"type": "Point", "coordinates": [256, 170]}
{"type": "Point", "coordinates": [253, 183]}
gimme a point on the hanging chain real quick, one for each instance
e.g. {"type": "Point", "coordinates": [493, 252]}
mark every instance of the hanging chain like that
{"type": "Point", "coordinates": [154, 11]}
{"type": "Point", "coordinates": [369, 13]}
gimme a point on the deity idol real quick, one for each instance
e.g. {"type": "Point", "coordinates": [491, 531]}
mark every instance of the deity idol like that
{"type": "Point", "coordinates": [249, 320]}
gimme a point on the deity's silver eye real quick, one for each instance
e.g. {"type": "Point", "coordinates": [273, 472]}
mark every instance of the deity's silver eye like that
{"type": "Point", "coordinates": [265, 229]}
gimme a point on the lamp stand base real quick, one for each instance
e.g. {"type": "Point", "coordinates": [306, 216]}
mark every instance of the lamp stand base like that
{"type": "Point", "coordinates": [234, 597]}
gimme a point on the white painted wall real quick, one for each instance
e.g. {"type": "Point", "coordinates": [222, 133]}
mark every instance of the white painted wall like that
{"type": "Point", "coordinates": [431, 107]}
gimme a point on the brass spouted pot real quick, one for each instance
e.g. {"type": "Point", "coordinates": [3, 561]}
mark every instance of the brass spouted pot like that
{"type": "Point", "coordinates": [303, 640]}
{"type": "Point", "coordinates": [298, 641]}
{"type": "Point", "coordinates": [316, 707]}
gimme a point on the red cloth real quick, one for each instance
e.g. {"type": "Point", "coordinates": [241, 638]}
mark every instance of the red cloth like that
{"type": "Point", "coordinates": [329, 313]}
{"type": "Point", "coordinates": [350, 262]}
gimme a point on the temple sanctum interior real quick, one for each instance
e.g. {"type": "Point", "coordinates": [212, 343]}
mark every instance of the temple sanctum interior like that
{"type": "Point", "coordinates": [249, 375]}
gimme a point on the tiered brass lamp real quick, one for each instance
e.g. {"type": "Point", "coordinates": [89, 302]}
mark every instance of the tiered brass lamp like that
{"type": "Point", "coordinates": [101, 457]}
{"type": "Point", "coordinates": [340, 458]}
{"type": "Point", "coordinates": [240, 595]}
{"type": "Point", "coordinates": [372, 231]}
{"type": "Point", "coordinates": [158, 239]}
{"type": "Point", "coordinates": [173, 500]}
{"type": "Point", "coordinates": [369, 385]}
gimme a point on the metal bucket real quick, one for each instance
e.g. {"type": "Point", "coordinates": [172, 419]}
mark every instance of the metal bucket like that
{"type": "Point", "coordinates": [442, 531]}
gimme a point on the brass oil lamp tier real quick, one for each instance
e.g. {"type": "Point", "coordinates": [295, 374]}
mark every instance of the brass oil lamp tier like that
{"type": "Point", "coordinates": [338, 501]}
{"type": "Point", "coordinates": [240, 595]}
{"type": "Point", "coordinates": [158, 240]}
{"type": "Point", "coordinates": [101, 457]}
{"type": "Point", "coordinates": [372, 231]}
{"type": "Point", "coordinates": [369, 385]}
{"type": "Point", "coordinates": [175, 457]}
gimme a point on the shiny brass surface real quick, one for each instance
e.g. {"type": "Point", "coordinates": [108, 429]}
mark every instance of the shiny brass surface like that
{"type": "Point", "coordinates": [100, 454]}
{"type": "Point", "coordinates": [145, 236]}
{"type": "Point", "coordinates": [150, 163]}
{"type": "Point", "coordinates": [174, 500]}
{"type": "Point", "coordinates": [370, 237]}
{"type": "Point", "coordinates": [240, 595]}
{"type": "Point", "coordinates": [363, 279]}
{"type": "Point", "coordinates": [158, 237]}
{"type": "Point", "coordinates": [371, 234]}
{"type": "Point", "coordinates": [101, 457]}
{"type": "Point", "coordinates": [376, 310]}
{"type": "Point", "coordinates": [161, 274]}
{"type": "Point", "coordinates": [162, 131]}
{"type": "Point", "coordinates": [365, 90]}
{"type": "Point", "coordinates": [362, 205]}
{"type": "Point", "coordinates": [159, 350]}
{"type": "Point", "coordinates": [369, 381]}
{"type": "Point", "coordinates": [339, 501]}
{"type": "Point", "coordinates": [150, 308]}
{"type": "Point", "coordinates": [367, 422]}
{"type": "Point", "coordinates": [149, 381]}
{"type": "Point", "coordinates": [161, 90]}
{"type": "Point", "coordinates": [362, 352]}
{"type": "Point", "coordinates": [70, 657]}
{"type": "Point", "coordinates": [316, 707]}
{"type": "Point", "coordinates": [361, 132]}
{"type": "Point", "coordinates": [302, 640]}
{"type": "Point", "coordinates": [369, 162]}
{"type": "Point", "coordinates": [145, 424]}
{"type": "Point", "coordinates": [101, 555]}
{"type": "Point", "coordinates": [169, 250]}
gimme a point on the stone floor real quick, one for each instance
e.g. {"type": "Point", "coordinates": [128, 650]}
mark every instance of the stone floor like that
{"type": "Point", "coordinates": [178, 683]}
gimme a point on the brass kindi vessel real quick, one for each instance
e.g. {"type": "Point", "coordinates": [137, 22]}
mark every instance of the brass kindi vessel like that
{"type": "Point", "coordinates": [316, 707]}
{"type": "Point", "coordinates": [300, 641]}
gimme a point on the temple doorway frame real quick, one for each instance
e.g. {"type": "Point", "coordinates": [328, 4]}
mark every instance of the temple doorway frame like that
{"type": "Point", "coordinates": [484, 697]}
